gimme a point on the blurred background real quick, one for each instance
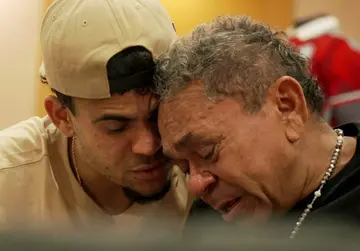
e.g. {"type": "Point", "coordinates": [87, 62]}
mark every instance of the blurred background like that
{"type": "Point", "coordinates": [22, 93]}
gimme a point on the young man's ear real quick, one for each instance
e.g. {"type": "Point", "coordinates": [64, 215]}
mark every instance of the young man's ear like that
{"type": "Point", "coordinates": [59, 115]}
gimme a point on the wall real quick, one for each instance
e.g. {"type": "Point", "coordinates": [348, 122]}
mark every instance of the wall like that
{"type": "Point", "coordinates": [42, 89]}
{"type": "Point", "coordinates": [347, 11]}
{"type": "Point", "coordinates": [19, 29]}
{"type": "Point", "coordinates": [188, 13]}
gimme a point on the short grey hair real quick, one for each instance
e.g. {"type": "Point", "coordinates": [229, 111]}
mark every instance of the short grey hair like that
{"type": "Point", "coordinates": [235, 56]}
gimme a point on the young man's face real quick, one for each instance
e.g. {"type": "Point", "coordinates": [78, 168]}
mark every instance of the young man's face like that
{"type": "Point", "coordinates": [118, 138]}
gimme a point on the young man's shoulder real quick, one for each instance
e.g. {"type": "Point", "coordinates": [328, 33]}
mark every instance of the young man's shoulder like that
{"type": "Point", "coordinates": [24, 156]}
{"type": "Point", "coordinates": [28, 190]}
{"type": "Point", "coordinates": [25, 143]}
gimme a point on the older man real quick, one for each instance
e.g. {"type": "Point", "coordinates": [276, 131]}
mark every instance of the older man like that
{"type": "Point", "coordinates": [240, 107]}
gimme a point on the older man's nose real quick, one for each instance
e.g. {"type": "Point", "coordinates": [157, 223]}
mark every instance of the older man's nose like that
{"type": "Point", "coordinates": [200, 182]}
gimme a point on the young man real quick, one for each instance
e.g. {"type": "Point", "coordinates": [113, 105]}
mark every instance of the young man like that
{"type": "Point", "coordinates": [96, 159]}
{"type": "Point", "coordinates": [239, 106]}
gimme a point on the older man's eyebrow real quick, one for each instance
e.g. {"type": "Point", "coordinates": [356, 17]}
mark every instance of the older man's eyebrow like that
{"type": "Point", "coordinates": [177, 145]}
{"type": "Point", "coordinates": [184, 140]}
{"type": "Point", "coordinates": [190, 139]}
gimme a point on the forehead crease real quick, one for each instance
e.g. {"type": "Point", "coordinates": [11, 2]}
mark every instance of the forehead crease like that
{"type": "Point", "coordinates": [180, 118]}
{"type": "Point", "coordinates": [115, 101]}
{"type": "Point", "coordinates": [183, 113]}
{"type": "Point", "coordinates": [185, 108]}
{"type": "Point", "coordinates": [130, 103]}
{"type": "Point", "coordinates": [169, 111]}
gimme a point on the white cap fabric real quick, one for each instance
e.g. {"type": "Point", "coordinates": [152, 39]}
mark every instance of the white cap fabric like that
{"type": "Point", "coordinates": [78, 37]}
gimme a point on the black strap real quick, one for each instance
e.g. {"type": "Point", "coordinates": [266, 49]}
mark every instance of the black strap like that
{"type": "Point", "coordinates": [350, 129]}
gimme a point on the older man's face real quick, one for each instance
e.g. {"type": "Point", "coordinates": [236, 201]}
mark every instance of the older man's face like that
{"type": "Point", "coordinates": [237, 162]}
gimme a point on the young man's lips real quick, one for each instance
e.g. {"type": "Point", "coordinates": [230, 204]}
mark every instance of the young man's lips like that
{"type": "Point", "coordinates": [150, 171]}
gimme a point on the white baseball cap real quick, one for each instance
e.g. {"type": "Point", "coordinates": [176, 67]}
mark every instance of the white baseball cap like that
{"type": "Point", "coordinates": [78, 37]}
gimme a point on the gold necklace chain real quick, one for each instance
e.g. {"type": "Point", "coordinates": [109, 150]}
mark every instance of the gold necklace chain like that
{"type": "Point", "coordinates": [73, 156]}
{"type": "Point", "coordinates": [83, 186]}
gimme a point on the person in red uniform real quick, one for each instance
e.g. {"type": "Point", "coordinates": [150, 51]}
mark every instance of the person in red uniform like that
{"type": "Point", "coordinates": [335, 61]}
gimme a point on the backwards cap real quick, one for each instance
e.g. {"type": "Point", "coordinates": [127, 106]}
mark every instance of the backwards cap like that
{"type": "Point", "coordinates": [78, 37]}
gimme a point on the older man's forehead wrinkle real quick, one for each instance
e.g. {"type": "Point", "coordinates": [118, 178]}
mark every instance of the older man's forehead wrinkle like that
{"type": "Point", "coordinates": [182, 115]}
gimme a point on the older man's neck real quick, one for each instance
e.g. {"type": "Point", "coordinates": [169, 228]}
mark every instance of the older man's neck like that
{"type": "Point", "coordinates": [318, 149]}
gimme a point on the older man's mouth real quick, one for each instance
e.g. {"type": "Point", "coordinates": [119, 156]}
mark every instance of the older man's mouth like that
{"type": "Point", "coordinates": [228, 208]}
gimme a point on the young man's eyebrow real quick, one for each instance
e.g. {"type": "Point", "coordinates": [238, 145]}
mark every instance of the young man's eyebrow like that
{"type": "Point", "coordinates": [121, 118]}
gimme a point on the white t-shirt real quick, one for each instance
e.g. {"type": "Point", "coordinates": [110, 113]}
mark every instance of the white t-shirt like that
{"type": "Point", "coordinates": [38, 190]}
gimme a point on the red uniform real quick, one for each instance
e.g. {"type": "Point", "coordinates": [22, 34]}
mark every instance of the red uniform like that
{"type": "Point", "coordinates": [335, 61]}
